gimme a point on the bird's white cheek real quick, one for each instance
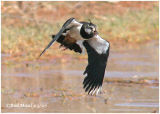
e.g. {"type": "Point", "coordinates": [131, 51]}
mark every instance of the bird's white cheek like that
{"type": "Point", "coordinates": [88, 31]}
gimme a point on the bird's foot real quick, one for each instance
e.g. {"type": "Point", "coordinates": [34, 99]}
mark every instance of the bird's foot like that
{"type": "Point", "coordinates": [61, 46]}
{"type": "Point", "coordinates": [65, 49]}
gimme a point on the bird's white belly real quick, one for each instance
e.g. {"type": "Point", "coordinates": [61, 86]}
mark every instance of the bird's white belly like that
{"type": "Point", "coordinates": [75, 33]}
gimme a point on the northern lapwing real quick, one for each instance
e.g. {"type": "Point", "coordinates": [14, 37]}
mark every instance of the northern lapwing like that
{"type": "Point", "coordinates": [77, 36]}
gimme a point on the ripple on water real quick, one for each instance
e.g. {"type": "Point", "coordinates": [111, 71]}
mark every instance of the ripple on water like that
{"type": "Point", "coordinates": [140, 104]}
{"type": "Point", "coordinates": [111, 74]}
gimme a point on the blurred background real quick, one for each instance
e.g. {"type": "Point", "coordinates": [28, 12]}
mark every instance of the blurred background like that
{"type": "Point", "coordinates": [132, 28]}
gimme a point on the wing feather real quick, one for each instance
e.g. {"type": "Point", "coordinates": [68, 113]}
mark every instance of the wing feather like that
{"type": "Point", "coordinates": [67, 25]}
{"type": "Point", "coordinates": [96, 66]}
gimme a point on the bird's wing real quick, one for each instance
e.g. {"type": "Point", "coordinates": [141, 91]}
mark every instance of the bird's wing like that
{"type": "Point", "coordinates": [67, 25]}
{"type": "Point", "coordinates": [98, 52]}
{"type": "Point", "coordinates": [72, 46]}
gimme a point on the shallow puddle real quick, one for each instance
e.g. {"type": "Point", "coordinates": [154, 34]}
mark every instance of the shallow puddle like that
{"type": "Point", "coordinates": [61, 93]}
{"type": "Point", "coordinates": [55, 87]}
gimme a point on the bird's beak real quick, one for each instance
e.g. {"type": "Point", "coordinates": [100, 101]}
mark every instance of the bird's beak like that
{"type": "Point", "coordinates": [95, 32]}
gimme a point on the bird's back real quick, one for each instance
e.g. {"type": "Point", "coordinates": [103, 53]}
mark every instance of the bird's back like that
{"type": "Point", "coordinates": [74, 32]}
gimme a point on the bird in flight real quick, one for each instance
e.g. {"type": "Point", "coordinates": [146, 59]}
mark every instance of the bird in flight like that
{"type": "Point", "coordinates": [78, 36]}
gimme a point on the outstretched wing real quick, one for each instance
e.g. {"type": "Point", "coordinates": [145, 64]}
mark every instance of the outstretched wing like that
{"type": "Point", "coordinates": [67, 25]}
{"type": "Point", "coordinates": [98, 52]}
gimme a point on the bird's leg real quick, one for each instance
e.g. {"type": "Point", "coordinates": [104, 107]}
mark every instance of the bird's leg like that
{"type": "Point", "coordinates": [60, 46]}
{"type": "Point", "coordinates": [65, 48]}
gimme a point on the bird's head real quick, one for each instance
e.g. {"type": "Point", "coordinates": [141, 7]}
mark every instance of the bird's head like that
{"type": "Point", "coordinates": [88, 30]}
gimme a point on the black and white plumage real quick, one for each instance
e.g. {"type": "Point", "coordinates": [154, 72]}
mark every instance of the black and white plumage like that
{"type": "Point", "coordinates": [78, 36]}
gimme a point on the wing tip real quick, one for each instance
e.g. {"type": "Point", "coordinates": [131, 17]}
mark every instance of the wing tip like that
{"type": "Point", "coordinates": [91, 87]}
{"type": "Point", "coordinates": [95, 91]}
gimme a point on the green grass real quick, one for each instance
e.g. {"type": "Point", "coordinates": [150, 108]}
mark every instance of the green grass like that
{"type": "Point", "coordinates": [136, 25]}
{"type": "Point", "coordinates": [28, 40]}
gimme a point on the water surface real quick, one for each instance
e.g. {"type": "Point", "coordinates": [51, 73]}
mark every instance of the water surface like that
{"type": "Point", "coordinates": [58, 86]}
